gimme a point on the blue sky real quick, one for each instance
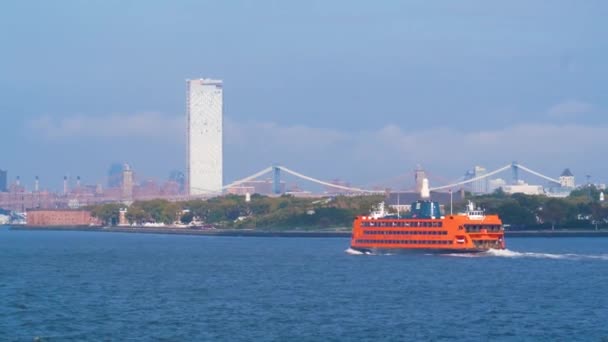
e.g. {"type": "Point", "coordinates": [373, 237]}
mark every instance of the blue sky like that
{"type": "Point", "coordinates": [353, 89]}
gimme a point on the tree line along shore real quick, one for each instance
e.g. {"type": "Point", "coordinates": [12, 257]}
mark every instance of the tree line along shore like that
{"type": "Point", "coordinates": [581, 210]}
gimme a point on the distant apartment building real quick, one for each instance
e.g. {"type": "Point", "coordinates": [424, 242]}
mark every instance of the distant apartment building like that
{"type": "Point", "coordinates": [262, 187]}
{"type": "Point", "coordinates": [66, 186]}
{"type": "Point", "coordinates": [3, 180]}
{"type": "Point", "coordinates": [566, 179]}
{"type": "Point", "coordinates": [241, 190]}
{"type": "Point", "coordinates": [479, 186]}
{"type": "Point", "coordinates": [205, 136]}
{"type": "Point", "coordinates": [495, 184]}
{"type": "Point", "coordinates": [16, 187]}
{"type": "Point", "coordinates": [337, 191]}
{"type": "Point", "coordinates": [147, 189]}
{"type": "Point", "coordinates": [115, 175]}
{"type": "Point", "coordinates": [127, 182]}
{"type": "Point", "coordinates": [419, 176]}
{"type": "Point", "coordinates": [170, 188]}
{"type": "Point", "coordinates": [524, 188]}
{"type": "Point", "coordinates": [565, 186]}
{"type": "Point", "coordinates": [179, 177]}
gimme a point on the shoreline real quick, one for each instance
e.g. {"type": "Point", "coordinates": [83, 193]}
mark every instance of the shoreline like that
{"type": "Point", "coordinates": [288, 233]}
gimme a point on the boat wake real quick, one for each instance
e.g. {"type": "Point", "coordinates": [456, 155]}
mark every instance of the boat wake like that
{"type": "Point", "coordinates": [502, 253]}
{"type": "Point", "coordinates": [353, 252]}
{"type": "Point", "coordinates": [506, 253]}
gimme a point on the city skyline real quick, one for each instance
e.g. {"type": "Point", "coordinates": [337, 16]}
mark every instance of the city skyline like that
{"type": "Point", "coordinates": [362, 92]}
{"type": "Point", "coordinates": [408, 181]}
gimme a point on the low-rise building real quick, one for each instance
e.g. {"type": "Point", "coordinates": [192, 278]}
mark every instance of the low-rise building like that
{"type": "Point", "coordinates": [523, 188]}
{"type": "Point", "coordinates": [60, 217]}
{"type": "Point", "coordinates": [495, 184]}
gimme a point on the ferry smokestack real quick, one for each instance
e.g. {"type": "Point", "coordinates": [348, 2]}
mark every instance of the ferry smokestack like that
{"type": "Point", "coordinates": [425, 192]}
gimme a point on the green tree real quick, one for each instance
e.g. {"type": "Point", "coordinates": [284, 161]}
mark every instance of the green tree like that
{"type": "Point", "coordinates": [511, 212]}
{"type": "Point", "coordinates": [108, 213]}
{"type": "Point", "coordinates": [158, 210]}
{"type": "Point", "coordinates": [589, 192]}
{"type": "Point", "coordinates": [554, 211]}
{"type": "Point", "coordinates": [598, 214]}
{"type": "Point", "coordinates": [136, 215]}
{"type": "Point", "coordinates": [187, 217]}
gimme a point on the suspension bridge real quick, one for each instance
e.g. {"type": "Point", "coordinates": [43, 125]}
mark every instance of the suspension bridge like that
{"type": "Point", "coordinates": [276, 171]}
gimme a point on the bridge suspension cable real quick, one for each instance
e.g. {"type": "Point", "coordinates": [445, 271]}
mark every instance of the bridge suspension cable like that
{"type": "Point", "coordinates": [537, 173]}
{"type": "Point", "coordinates": [314, 180]}
{"type": "Point", "coordinates": [353, 189]}
{"type": "Point", "coordinates": [506, 167]}
{"type": "Point", "coordinates": [246, 179]}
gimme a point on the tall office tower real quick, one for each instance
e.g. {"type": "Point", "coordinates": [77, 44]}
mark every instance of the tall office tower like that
{"type": "Point", "coordinates": [127, 182]}
{"type": "Point", "coordinates": [3, 180]}
{"type": "Point", "coordinates": [115, 175]}
{"type": "Point", "coordinates": [204, 155]}
{"type": "Point", "coordinates": [179, 178]}
{"type": "Point", "coordinates": [479, 186]}
{"type": "Point", "coordinates": [419, 176]}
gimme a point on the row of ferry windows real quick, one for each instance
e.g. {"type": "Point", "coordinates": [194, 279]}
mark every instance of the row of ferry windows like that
{"type": "Point", "coordinates": [406, 232]}
{"type": "Point", "coordinates": [401, 224]}
{"type": "Point", "coordinates": [477, 228]}
{"type": "Point", "coordinates": [408, 242]}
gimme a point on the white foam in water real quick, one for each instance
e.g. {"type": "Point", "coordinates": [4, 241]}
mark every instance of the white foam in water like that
{"type": "Point", "coordinates": [353, 252]}
{"type": "Point", "coordinates": [462, 255]}
{"type": "Point", "coordinates": [505, 253]}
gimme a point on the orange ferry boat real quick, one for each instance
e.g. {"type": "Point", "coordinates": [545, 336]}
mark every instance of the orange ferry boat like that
{"type": "Point", "coordinates": [424, 228]}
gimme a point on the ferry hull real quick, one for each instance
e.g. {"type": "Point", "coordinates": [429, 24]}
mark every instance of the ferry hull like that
{"type": "Point", "coordinates": [419, 250]}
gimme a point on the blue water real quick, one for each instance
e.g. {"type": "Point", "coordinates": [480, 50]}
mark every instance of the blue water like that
{"type": "Point", "coordinates": [57, 286]}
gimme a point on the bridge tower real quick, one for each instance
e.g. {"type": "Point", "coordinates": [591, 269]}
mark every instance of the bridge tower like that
{"type": "Point", "coordinates": [276, 179]}
{"type": "Point", "coordinates": [515, 171]}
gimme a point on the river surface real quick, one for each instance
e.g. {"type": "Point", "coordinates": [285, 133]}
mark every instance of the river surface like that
{"type": "Point", "coordinates": [90, 286]}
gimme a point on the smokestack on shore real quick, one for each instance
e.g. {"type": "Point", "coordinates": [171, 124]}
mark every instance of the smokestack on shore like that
{"type": "Point", "coordinates": [36, 184]}
{"type": "Point", "coordinates": [65, 185]}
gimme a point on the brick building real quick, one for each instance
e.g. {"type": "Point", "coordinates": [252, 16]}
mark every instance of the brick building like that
{"type": "Point", "coordinates": [59, 217]}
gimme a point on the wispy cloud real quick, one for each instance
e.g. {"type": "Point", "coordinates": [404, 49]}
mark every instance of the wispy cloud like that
{"type": "Point", "coordinates": [392, 150]}
{"type": "Point", "coordinates": [365, 155]}
{"type": "Point", "coordinates": [569, 109]}
{"type": "Point", "coordinates": [146, 125]}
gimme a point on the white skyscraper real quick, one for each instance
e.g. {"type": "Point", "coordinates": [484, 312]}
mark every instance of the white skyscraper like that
{"type": "Point", "coordinates": [479, 186]}
{"type": "Point", "coordinates": [205, 111]}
